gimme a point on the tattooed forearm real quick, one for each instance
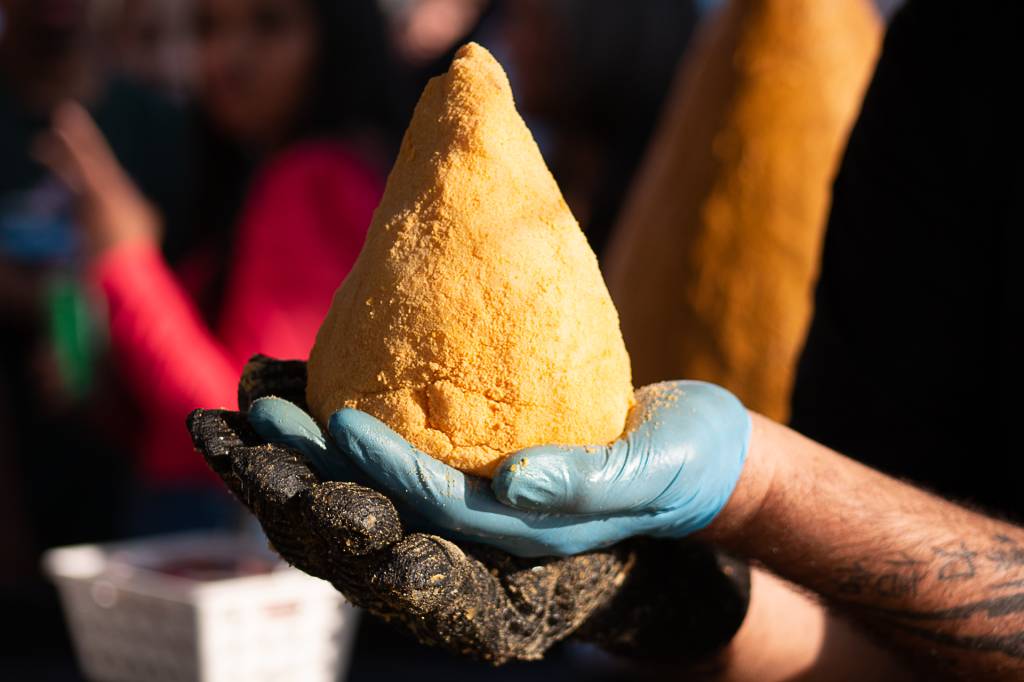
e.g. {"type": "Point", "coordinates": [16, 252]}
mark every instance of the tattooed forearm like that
{"type": "Point", "coordinates": [894, 576]}
{"type": "Point", "coordinates": [872, 586]}
{"type": "Point", "coordinates": [943, 585]}
{"type": "Point", "coordinates": [957, 562]}
{"type": "Point", "coordinates": [1007, 553]}
{"type": "Point", "coordinates": [900, 573]}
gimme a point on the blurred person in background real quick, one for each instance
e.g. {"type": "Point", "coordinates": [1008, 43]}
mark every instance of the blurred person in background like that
{"type": "Point", "coordinates": [594, 75]}
{"type": "Point", "coordinates": [426, 33]}
{"type": "Point", "coordinates": [154, 42]}
{"type": "Point", "coordinates": [294, 141]}
{"type": "Point", "coordinates": [56, 397]}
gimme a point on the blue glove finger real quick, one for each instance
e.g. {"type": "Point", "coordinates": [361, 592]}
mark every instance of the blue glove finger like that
{"type": "Point", "coordinates": [462, 506]}
{"type": "Point", "coordinates": [558, 478]}
{"type": "Point", "coordinates": [630, 474]}
{"type": "Point", "coordinates": [683, 451]}
{"type": "Point", "coordinates": [283, 423]}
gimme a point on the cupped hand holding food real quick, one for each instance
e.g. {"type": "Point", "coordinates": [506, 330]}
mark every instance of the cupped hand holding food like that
{"type": "Point", "coordinates": [669, 475]}
{"type": "Point", "coordinates": [470, 599]}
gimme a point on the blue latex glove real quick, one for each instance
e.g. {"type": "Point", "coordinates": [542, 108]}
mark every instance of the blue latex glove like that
{"type": "Point", "coordinates": [283, 423]}
{"type": "Point", "coordinates": [669, 476]}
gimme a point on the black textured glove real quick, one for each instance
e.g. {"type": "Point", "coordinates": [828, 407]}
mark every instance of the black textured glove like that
{"type": "Point", "coordinates": [654, 599]}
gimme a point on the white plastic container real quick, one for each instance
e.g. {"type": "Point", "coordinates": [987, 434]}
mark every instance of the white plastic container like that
{"type": "Point", "coordinates": [133, 619]}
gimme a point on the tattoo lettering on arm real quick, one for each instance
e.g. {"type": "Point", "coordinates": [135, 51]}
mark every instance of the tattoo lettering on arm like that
{"type": "Point", "coordinates": [1007, 554]}
{"type": "Point", "coordinates": [958, 564]}
{"type": "Point", "coordinates": [896, 577]}
{"type": "Point", "coordinates": [989, 616]}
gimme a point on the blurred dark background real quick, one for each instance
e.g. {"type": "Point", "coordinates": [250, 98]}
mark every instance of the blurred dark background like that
{"type": "Point", "coordinates": [201, 127]}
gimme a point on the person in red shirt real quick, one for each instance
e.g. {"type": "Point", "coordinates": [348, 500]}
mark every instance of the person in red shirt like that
{"type": "Point", "coordinates": [288, 82]}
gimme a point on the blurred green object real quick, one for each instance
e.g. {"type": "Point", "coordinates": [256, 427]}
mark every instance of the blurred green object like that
{"type": "Point", "coordinates": [74, 333]}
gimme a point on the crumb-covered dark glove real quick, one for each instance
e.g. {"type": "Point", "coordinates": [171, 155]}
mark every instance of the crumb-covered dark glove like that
{"type": "Point", "coordinates": [470, 599]}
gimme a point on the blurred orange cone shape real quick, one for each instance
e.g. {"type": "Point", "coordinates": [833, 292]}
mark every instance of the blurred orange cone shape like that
{"type": "Point", "coordinates": [714, 259]}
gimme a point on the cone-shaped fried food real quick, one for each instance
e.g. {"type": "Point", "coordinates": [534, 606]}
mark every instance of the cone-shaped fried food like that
{"type": "Point", "coordinates": [475, 321]}
{"type": "Point", "coordinates": [714, 258]}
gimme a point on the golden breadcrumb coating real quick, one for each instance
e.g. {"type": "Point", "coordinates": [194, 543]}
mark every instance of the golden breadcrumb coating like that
{"type": "Point", "coordinates": [475, 321]}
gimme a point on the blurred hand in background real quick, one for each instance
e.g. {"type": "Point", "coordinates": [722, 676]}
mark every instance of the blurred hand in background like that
{"type": "Point", "coordinates": [110, 207]}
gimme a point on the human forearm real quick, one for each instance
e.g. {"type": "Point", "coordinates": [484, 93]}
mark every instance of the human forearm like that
{"type": "Point", "coordinates": [937, 580]}
{"type": "Point", "coordinates": [809, 643]}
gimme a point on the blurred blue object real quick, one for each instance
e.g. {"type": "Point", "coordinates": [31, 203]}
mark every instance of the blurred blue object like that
{"type": "Point", "coordinates": [37, 224]}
